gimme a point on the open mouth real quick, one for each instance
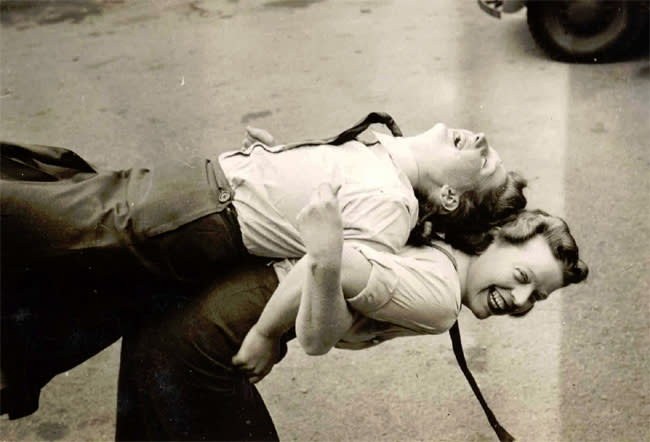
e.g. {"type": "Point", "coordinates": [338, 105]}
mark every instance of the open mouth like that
{"type": "Point", "coordinates": [496, 302]}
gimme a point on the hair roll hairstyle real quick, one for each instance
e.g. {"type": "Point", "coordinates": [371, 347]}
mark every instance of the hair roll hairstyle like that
{"type": "Point", "coordinates": [529, 223]}
{"type": "Point", "coordinates": [557, 235]}
{"type": "Point", "coordinates": [555, 231]}
{"type": "Point", "coordinates": [477, 213]}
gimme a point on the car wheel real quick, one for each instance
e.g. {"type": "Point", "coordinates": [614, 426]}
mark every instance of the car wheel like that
{"type": "Point", "coordinates": [586, 30]}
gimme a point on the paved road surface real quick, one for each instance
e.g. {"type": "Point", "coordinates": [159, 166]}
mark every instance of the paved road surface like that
{"type": "Point", "coordinates": [130, 82]}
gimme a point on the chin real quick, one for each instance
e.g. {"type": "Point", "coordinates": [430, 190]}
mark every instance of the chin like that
{"type": "Point", "coordinates": [481, 314]}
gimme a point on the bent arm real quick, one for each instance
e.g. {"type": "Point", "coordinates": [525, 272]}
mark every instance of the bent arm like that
{"type": "Point", "coordinates": [313, 293]}
{"type": "Point", "coordinates": [324, 316]}
{"type": "Point", "coordinates": [279, 314]}
{"type": "Point", "coordinates": [417, 292]}
{"type": "Point", "coordinates": [312, 296]}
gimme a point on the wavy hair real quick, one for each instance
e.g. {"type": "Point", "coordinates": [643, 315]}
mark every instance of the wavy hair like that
{"type": "Point", "coordinates": [555, 231]}
{"type": "Point", "coordinates": [477, 213]}
{"type": "Point", "coordinates": [530, 223]}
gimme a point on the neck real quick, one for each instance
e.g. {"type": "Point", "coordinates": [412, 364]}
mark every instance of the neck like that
{"type": "Point", "coordinates": [401, 152]}
{"type": "Point", "coordinates": [463, 261]}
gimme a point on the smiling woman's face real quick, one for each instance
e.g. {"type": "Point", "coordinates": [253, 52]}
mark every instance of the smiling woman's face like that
{"type": "Point", "coordinates": [510, 278]}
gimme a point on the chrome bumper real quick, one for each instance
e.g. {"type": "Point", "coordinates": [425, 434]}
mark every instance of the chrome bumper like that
{"type": "Point", "coordinates": [496, 7]}
{"type": "Point", "coordinates": [492, 7]}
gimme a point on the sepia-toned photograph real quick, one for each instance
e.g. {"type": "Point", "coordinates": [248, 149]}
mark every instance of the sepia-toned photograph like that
{"type": "Point", "coordinates": [325, 220]}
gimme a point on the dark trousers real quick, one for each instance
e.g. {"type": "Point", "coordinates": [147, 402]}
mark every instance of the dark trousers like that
{"type": "Point", "coordinates": [85, 252]}
{"type": "Point", "coordinates": [176, 381]}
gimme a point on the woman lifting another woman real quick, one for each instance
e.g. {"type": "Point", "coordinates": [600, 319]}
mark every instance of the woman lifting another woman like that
{"type": "Point", "coordinates": [350, 298]}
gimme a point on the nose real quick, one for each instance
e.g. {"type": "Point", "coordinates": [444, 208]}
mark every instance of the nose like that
{"type": "Point", "coordinates": [441, 130]}
{"type": "Point", "coordinates": [480, 141]}
{"type": "Point", "coordinates": [522, 294]}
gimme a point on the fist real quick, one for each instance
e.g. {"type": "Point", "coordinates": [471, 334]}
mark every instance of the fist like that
{"type": "Point", "coordinates": [320, 224]}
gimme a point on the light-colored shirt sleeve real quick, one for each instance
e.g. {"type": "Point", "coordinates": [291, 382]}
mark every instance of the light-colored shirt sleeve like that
{"type": "Point", "coordinates": [417, 289]}
{"type": "Point", "coordinates": [380, 220]}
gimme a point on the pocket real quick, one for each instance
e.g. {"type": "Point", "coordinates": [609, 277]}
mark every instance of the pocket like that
{"type": "Point", "coordinates": [174, 194]}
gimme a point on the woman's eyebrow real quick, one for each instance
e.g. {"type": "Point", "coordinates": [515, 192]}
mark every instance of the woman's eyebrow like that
{"type": "Point", "coordinates": [532, 276]}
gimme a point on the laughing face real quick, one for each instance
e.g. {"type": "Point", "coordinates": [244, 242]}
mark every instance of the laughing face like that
{"type": "Point", "coordinates": [464, 160]}
{"type": "Point", "coordinates": [510, 278]}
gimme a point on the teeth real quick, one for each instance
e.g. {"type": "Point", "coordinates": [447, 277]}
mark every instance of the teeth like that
{"type": "Point", "coordinates": [497, 304]}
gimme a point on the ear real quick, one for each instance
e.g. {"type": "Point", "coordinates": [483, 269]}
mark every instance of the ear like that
{"type": "Point", "coordinates": [448, 198]}
{"type": "Point", "coordinates": [383, 138]}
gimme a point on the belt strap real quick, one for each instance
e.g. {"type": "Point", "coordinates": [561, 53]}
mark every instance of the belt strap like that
{"type": "Point", "coordinates": [457, 345]}
{"type": "Point", "coordinates": [217, 178]}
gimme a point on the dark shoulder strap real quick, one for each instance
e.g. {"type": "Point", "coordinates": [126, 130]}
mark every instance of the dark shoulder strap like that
{"type": "Point", "coordinates": [457, 345]}
{"type": "Point", "coordinates": [445, 252]}
{"type": "Point", "coordinates": [372, 118]}
{"type": "Point", "coordinates": [353, 132]}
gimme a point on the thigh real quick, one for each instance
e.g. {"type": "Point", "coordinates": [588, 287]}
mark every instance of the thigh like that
{"type": "Point", "coordinates": [162, 399]}
{"type": "Point", "coordinates": [87, 228]}
{"type": "Point", "coordinates": [176, 381]}
{"type": "Point", "coordinates": [198, 250]}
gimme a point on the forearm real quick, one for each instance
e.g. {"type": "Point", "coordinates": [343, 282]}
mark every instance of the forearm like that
{"type": "Point", "coordinates": [323, 316]}
{"type": "Point", "coordinates": [279, 314]}
{"type": "Point", "coordinates": [318, 300]}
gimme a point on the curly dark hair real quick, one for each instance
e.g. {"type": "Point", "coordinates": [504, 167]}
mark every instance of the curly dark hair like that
{"type": "Point", "coordinates": [525, 225]}
{"type": "Point", "coordinates": [555, 231]}
{"type": "Point", "coordinates": [477, 213]}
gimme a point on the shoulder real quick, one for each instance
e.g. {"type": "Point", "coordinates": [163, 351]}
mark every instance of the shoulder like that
{"type": "Point", "coordinates": [377, 219]}
{"type": "Point", "coordinates": [419, 285]}
{"type": "Point", "coordinates": [426, 262]}
{"type": "Point", "coordinates": [434, 287]}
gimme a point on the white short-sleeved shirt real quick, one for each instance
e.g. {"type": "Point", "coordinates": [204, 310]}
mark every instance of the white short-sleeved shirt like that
{"type": "Point", "coordinates": [415, 292]}
{"type": "Point", "coordinates": [271, 186]}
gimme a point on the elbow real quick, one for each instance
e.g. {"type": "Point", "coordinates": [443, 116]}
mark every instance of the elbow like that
{"type": "Point", "coordinates": [314, 346]}
{"type": "Point", "coordinates": [316, 350]}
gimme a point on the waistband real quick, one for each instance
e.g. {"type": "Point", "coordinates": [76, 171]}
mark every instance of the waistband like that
{"type": "Point", "coordinates": [217, 178]}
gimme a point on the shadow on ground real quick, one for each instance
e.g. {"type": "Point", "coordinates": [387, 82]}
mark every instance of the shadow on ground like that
{"type": "Point", "coordinates": [25, 13]}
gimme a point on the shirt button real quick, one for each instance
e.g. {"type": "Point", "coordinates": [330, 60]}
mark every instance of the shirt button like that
{"type": "Point", "coordinates": [224, 196]}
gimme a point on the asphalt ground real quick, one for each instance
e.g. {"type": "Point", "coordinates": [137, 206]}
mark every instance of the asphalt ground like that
{"type": "Point", "coordinates": [132, 82]}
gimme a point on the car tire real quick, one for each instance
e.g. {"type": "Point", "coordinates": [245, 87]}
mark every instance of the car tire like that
{"type": "Point", "coordinates": [601, 32]}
